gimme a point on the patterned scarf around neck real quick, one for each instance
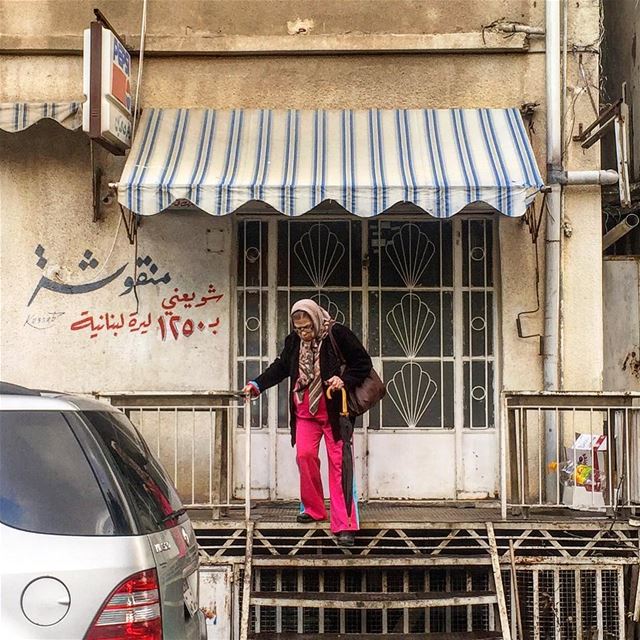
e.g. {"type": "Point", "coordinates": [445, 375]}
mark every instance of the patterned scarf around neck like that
{"type": "Point", "coordinates": [309, 361]}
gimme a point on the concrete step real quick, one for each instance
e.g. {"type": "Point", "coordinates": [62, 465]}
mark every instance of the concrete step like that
{"type": "Point", "coordinates": [372, 600]}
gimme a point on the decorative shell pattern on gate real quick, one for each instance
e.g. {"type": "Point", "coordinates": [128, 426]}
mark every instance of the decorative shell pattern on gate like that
{"type": "Point", "coordinates": [410, 251]}
{"type": "Point", "coordinates": [319, 251]}
{"type": "Point", "coordinates": [411, 322]}
{"type": "Point", "coordinates": [411, 390]}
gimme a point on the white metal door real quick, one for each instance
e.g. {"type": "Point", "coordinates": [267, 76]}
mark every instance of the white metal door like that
{"type": "Point", "coordinates": [420, 294]}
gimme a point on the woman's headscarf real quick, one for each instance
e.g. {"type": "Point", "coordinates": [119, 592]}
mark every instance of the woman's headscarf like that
{"type": "Point", "coordinates": [309, 361]}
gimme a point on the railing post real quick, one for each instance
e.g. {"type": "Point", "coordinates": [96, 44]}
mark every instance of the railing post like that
{"type": "Point", "coordinates": [247, 457]}
{"type": "Point", "coordinates": [503, 455]}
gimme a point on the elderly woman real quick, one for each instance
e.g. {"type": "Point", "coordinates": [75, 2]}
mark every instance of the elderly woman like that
{"type": "Point", "coordinates": [312, 365]}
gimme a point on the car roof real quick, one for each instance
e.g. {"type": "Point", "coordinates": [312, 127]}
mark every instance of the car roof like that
{"type": "Point", "coordinates": [17, 398]}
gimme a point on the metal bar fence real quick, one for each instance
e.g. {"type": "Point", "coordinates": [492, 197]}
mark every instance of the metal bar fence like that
{"type": "Point", "coordinates": [192, 436]}
{"type": "Point", "coordinates": [597, 443]}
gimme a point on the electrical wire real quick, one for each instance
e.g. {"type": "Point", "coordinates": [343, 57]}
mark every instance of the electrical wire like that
{"type": "Point", "coordinates": [585, 84]}
{"type": "Point", "coordinates": [120, 218]}
{"type": "Point", "coordinates": [135, 267]}
{"type": "Point", "coordinates": [143, 34]}
{"type": "Point", "coordinates": [104, 262]}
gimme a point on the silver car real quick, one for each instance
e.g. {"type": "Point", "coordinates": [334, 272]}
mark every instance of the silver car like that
{"type": "Point", "coordinates": [94, 541]}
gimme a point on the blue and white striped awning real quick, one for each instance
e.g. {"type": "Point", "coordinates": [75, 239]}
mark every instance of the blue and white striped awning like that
{"type": "Point", "coordinates": [16, 116]}
{"type": "Point", "coordinates": [439, 159]}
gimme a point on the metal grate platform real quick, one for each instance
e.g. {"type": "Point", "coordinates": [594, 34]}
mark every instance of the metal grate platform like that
{"type": "Point", "coordinates": [419, 543]}
{"type": "Point", "coordinates": [382, 513]}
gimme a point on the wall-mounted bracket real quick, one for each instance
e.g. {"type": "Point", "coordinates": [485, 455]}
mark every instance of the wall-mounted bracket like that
{"type": "Point", "coordinates": [599, 127]}
{"type": "Point", "coordinates": [616, 115]}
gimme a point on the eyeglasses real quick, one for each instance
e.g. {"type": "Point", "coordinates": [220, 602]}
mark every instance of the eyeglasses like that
{"type": "Point", "coordinates": [300, 330]}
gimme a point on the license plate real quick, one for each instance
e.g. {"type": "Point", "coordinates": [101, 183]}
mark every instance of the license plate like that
{"type": "Point", "coordinates": [189, 599]}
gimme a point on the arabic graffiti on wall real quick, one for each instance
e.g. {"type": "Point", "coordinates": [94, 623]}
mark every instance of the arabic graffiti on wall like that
{"type": "Point", "coordinates": [142, 277]}
{"type": "Point", "coordinates": [179, 315]}
{"type": "Point", "coordinates": [167, 323]}
{"type": "Point", "coordinates": [144, 265]}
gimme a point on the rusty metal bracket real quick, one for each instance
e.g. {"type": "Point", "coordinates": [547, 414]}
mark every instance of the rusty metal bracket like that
{"type": "Point", "coordinates": [102, 19]}
{"type": "Point", "coordinates": [534, 227]}
{"type": "Point", "coordinates": [599, 126]}
{"type": "Point", "coordinates": [96, 184]}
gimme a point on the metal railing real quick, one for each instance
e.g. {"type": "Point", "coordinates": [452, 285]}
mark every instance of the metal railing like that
{"type": "Point", "coordinates": [192, 435]}
{"type": "Point", "coordinates": [570, 449]}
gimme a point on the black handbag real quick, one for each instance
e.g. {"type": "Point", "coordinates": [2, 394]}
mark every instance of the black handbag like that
{"type": "Point", "coordinates": [365, 395]}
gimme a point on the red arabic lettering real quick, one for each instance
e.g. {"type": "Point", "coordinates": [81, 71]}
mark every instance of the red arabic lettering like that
{"type": "Point", "coordinates": [168, 322]}
{"type": "Point", "coordinates": [163, 328]}
{"type": "Point", "coordinates": [187, 328]}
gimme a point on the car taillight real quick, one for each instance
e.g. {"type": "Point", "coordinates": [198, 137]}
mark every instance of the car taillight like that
{"type": "Point", "coordinates": [132, 610]}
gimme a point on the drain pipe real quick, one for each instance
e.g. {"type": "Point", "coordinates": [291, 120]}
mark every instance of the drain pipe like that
{"type": "Point", "coordinates": [602, 176]}
{"type": "Point", "coordinates": [551, 343]}
{"type": "Point", "coordinates": [556, 178]}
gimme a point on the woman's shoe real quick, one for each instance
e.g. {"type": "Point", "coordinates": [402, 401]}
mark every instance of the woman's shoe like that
{"type": "Point", "coordinates": [345, 539]}
{"type": "Point", "coordinates": [305, 518]}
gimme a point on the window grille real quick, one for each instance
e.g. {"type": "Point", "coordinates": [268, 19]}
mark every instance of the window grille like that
{"type": "Point", "coordinates": [418, 291]}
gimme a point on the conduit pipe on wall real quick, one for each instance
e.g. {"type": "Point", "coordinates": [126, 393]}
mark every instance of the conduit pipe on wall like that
{"type": "Point", "coordinates": [602, 176]}
{"type": "Point", "coordinates": [551, 343]}
{"type": "Point", "coordinates": [556, 177]}
{"type": "Point", "coordinates": [622, 228]}
{"type": "Point", "coordinates": [516, 27]}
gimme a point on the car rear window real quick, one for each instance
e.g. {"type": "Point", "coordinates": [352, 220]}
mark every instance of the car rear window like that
{"type": "Point", "coordinates": [46, 482]}
{"type": "Point", "coordinates": [154, 498]}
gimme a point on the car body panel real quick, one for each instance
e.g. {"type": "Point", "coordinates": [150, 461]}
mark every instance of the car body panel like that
{"type": "Point", "coordinates": [177, 561]}
{"type": "Point", "coordinates": [90, 567]}
{"type": "Point", "coordinates": [86, 569]}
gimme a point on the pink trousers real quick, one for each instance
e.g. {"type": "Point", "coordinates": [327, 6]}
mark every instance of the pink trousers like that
{"type": "Point", "coordinates": [309, 430]}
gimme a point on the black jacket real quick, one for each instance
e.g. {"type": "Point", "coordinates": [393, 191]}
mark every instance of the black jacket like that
{"type": "Point", "coordinates": [358, 366]}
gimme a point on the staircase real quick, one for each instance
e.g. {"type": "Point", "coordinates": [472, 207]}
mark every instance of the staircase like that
{"type": "Point", "coordinates": [432, 598]}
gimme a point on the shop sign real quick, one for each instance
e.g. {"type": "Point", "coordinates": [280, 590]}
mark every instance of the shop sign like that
{"type": "Point", "coordinates": [107, 86]}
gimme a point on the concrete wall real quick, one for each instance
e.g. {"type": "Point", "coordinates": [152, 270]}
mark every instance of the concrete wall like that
{"type": "Point", "coordinates": [622, 323]}
{"type": "Point", "coordinates": [45, 182]}
{"type": "Point", "coordinates": [63, 337]}
{"type": "Point", "coordinates": [209, 19]}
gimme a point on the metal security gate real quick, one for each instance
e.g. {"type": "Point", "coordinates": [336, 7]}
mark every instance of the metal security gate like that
{"type": "Point", "coordinates": [562, 602]}
{"type": "Point", "coordinates": [420, 293]}
{"type": "Point", "coordinates": [354, 581]}
{"type": "Point", "coordinates": [556, 602]}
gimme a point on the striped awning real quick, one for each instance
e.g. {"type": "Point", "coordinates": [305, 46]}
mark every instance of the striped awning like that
{"type": "Point", "coordinates": [439, 159]}
{"type": "Point", "coordinates": [16, 116]}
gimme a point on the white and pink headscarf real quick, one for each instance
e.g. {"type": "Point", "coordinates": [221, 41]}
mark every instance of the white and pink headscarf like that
{"type": "Point", "coordinates": [309, 362]}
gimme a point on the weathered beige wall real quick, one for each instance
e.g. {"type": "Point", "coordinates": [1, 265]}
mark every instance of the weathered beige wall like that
{"type": "Point", "coordinates": [46, 200]}
{"type": "Point", "coordinates": [45, 182]}
{"type": "Point", "coordinates": [581, 332]}
{"type": "Point", "coordinates": [621, 276]}
{"type": "Point", "coordinates": [215, 18]}
{"type": "Point", "coordinates": [357, 81]}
